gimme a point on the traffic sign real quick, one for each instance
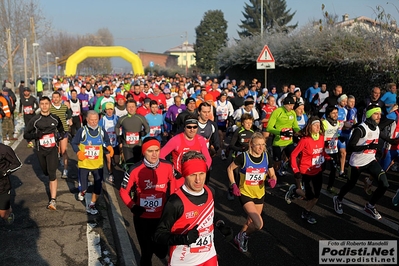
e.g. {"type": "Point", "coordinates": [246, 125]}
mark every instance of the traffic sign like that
{"type": "Point", "coordinates": [265, 59]}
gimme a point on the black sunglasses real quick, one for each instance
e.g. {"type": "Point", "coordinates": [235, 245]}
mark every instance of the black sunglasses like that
{"type": "Point", "coordinates": [192, 127]}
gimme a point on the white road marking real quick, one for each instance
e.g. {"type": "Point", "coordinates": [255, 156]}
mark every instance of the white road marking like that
{"type": "Point", "coordinates": [93, 245]}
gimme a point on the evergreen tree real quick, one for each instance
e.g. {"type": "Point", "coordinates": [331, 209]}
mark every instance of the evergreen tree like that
{"type": "Point", "coordinates": [275, 17]}
{"type": "Point", "coordinates": [211, 37]}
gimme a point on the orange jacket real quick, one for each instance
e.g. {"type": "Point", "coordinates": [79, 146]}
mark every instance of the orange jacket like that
{"type": "Point", "coordinates": [5, 106]}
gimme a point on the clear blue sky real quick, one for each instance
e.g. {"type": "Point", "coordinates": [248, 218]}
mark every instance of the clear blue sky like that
{"type": "Point", "coordinates": [157, 25]}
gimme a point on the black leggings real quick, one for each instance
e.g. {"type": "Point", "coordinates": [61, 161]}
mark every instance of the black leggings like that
{"type": "Point", "coordinates": [48, 160]}
{"type": "Point", "coordinates": [145, 229]}
{"type": "Point", "coordinates": [312, 185]}
{"type": "Point", "coordinates": [333, 170]}
{"type": "Point", "coordinates": [376, 171]}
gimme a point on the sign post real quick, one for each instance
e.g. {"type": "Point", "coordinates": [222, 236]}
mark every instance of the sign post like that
{"type": "Point", "coordinates": [265, 61]}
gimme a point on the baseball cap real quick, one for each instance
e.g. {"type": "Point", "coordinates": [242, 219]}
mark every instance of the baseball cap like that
{"type": "Point", "coordinates": [297, 89]}
{"type": "Point", "coordinates": [208, 97]}
{"type": "Point", "coordinates": [166, 91]}
{"type": "Point", "coordinates": [109, 106]}
{"type": "Point", "coordinates": [240, 89]}
{"type": "Point", "coordinates": [27, 89]}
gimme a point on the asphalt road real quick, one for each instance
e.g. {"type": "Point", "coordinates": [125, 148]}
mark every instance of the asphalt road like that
{"type": "Point", "coordinates": [286, 239]}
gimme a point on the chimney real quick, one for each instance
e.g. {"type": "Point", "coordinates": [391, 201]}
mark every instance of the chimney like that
{"type": "Point", "coordinates": [345, 17]}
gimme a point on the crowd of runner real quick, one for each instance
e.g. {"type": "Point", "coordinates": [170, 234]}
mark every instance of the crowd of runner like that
{"type": "Point", "coordinates": [165, 131]}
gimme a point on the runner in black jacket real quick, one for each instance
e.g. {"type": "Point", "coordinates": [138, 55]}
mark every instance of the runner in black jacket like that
{"type": "Point", "coordinates": [9, 162]}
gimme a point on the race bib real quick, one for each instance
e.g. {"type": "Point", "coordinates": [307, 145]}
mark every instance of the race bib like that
{"type": "Point", "coordinates": [318, 161]}
{"type": "Point", "coordinates": [151, 202]}
{"type": "Point", "coordinates": [92, 152]}
{"type": "Point", "coordinates": [28, 110]}
{"type": "Point", "coordinates": [75, 113]}
{"type": "Point", "coordinates": [112, 138]}
{"type": "Point", "coordinates": [332, 143]}
{"type": "Point", "coordinates": [132, 138]}
{"type": "Point", "coordinates": [204, 241]}
{"type": "Point", "coordinates": [254, 177]}
{"type": "Point", "coordinates": [155, 131]}
{"type": "Point", "coordinates": [222, 113]}
{"type": "Point", "coordinates": [85, 103]}
{"type": "Point", "coordinates": [47, 141]}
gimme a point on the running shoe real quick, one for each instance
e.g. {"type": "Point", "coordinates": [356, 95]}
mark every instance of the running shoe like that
{"type": "Point", "coordinates": [394, 167]}
{"type": "Point", "coordinates": [370, 209]}
{"type": "Point", "coordinates": [332, 191]}
{"type": "Point", "coordinates": [52, 205]}
{"type": "Point", "coordinates": [343, 176]}
{"type": "Point", "coordinates": [290, 193]}
{"type": "Point", "coordinates": [230, 195]}
{"type": "Point", "coordinates": [81, 196]}
{"type": "Point", "coordinates": [91, 209]}
{"type": "Point", "coordinates": [337, 205]}
{"type": "Point", "coordinates": [223, 155]}
{"type": "Point", "coordinates": [64, 174]}
{"type": "Point", "coordinates": [395, 199]}
{"type": "Point", "coordinates": [367, 186]}
{"type": "Point", "coordinates": [241, 241]}
{"type": "Point", "coordinates": [308, 217]}
{"type": "Point", "coordinates": [30, 144]}
{"type": "Point", "coordinates": [281, 172]}
{"type": "Point", "coordinates": [10, 219]}
{"type": "Point", "coordinates": [111, 178]}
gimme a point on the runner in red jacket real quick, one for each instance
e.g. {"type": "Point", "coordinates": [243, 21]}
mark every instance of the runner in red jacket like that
{"type": "Point", "coordinates": [310, 154]}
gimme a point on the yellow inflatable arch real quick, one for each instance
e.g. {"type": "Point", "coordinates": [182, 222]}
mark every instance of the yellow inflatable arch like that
{"type": "Point", "coordinates": [103, 51]}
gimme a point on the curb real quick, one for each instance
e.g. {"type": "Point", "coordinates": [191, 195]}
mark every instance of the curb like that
{"type": "Point", "coordinates": [121, 238]}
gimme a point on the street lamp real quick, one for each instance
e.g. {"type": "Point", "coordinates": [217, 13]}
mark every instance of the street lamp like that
{"type": "Point", "coordinates": [56, 65]}
{"type": "Point", "coordinates": [48, 71]}
{"type": "Point", "coordinates": [35, 44]}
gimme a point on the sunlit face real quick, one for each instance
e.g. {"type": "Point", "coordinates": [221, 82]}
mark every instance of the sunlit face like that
{"type": "Point", "coordinates": [109, 112]}
{"type": "Point", "coordinates": [351, 103]}
{"type": "Point", "coordinates": [300, 110]}
{"type": "Point", "coordinates": [272, 101]}
{"type": "Point", "coordinates": [107, 93]}
{"type": "Point", "coordinates": [223, 98]}
{"type": "Point", "coordinates": [343, 103]}
{"type": "Point", "coordinates": [154, 109]}
{"type": "Point", "coordinates": [247, 124]}
{"type": "Point", "coordinates": [334, 115]}
{"type": "Point", "coordinates": [152, 154]}
{"type": "Point", "coordinates": [376, 117]}
{"type": "Point", "coordinates": [249, 107]}
{"type": "Point", "coordinates": [137, 89]}
{"type": "Point", "coordinates": [177, 100]}
{"type": "Point", "coordinates": [195, 182]}
{"type": "Point", "coordinates": [258, 145]}
{"type": "Point", "coordinates": [131, 108]}
{"type": "Point", "coordinates": [338, 91]}
{"type": "Point", "coordinates": [56, 99]}
{"type": "Point", "coordinates": [315, 128]}
{"type": "Point", "coordinates": [205, 113]}
{"type": "Point", "coordinates": [375, 94]}
{"type": "Point", "coordinates": [190, 130]}
{"type": "Point", "coordinates": [74, 95]}
{"type": "Point", "coordinates": [92, 120]}
{"type": "Point", "coordinates": [191, 106]}
{"type": "Point", "coordinates": [45, 106]}
{"type": "Point", "coordinates": [289, 107]}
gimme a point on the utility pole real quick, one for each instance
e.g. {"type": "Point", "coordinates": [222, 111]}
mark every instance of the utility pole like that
{"type": "Point", "coordinates": [9, 54]}
{"type": "Point", "coordinates": [25, 63]}
{"type": "Point", "coordinates": [261, 35]}
{"type": "Point", "coordinates": [186, 54]}
{"type": "Point", "coordinates": [33, 55]}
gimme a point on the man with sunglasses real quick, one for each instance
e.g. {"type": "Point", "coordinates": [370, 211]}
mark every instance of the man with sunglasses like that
{"type": "Point", "coordinates": [183, 142]}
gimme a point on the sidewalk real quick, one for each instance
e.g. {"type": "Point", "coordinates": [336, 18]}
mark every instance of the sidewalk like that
{"type": "Point", "coordinates": [67, 236]}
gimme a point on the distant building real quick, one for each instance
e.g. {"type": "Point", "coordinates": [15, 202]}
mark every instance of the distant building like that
{"type": "Point", "coordinates": [368, 24]}
{"type": "Point", "coordinates": [161, 60]}
{"type": "Point", "coordinates": [185, 53]}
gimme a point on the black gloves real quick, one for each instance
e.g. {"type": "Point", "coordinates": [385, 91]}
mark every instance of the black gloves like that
{"type": "Point", "coordinates": [137, 210]}
{"type": "Point", "coordinates": [288, 133]}
{"type": "Point", "coordinates": [372, 146]}
{"type": "Point", "coordinates": [161, 106]}
{"type": "Point", "coordinates": [192, 235]}
{"type": "Point", "coordinates": [226, 231]}
{"type": "Point", "coordinates": [298, 175]}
